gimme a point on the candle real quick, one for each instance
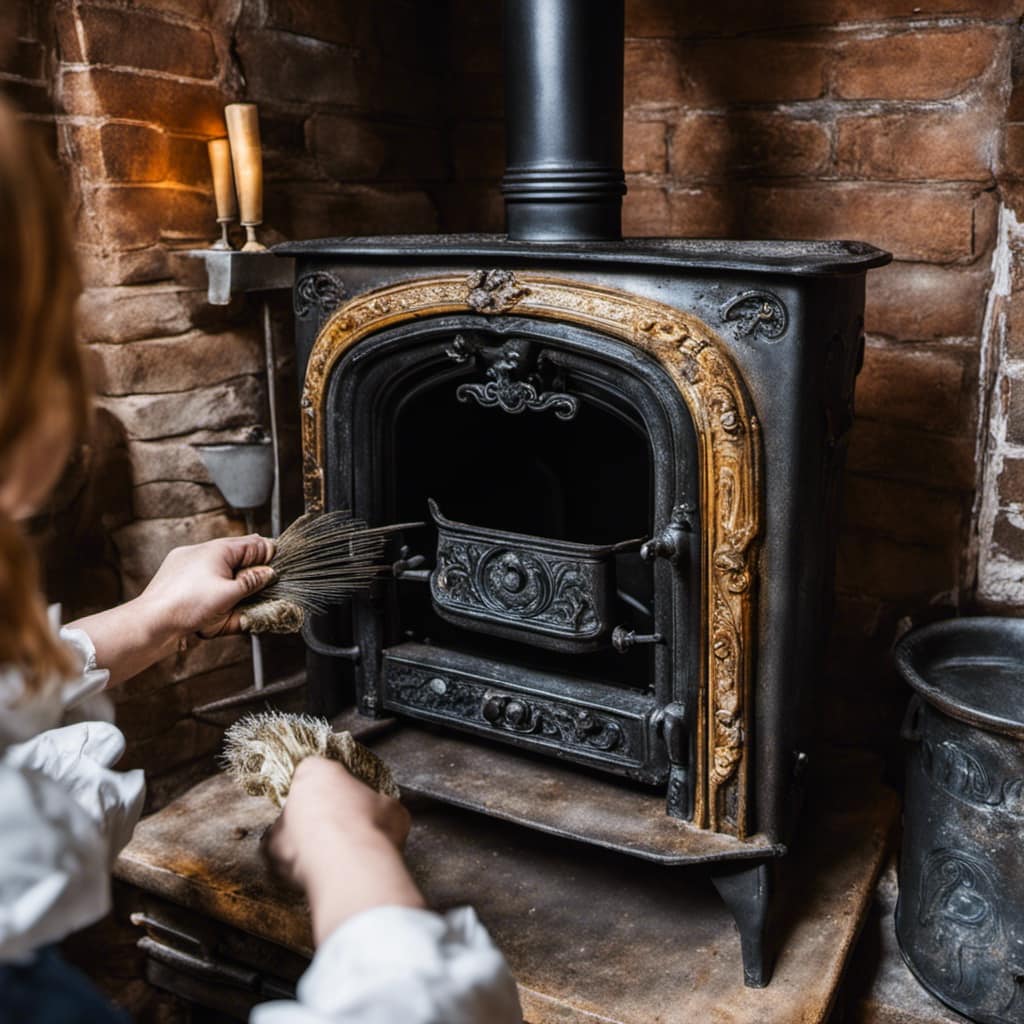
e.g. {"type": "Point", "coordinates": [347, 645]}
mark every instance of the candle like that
{"type": "Point", "coordinates": [247, 159]}
{"type": "Point", "coordinates": [223, 179]}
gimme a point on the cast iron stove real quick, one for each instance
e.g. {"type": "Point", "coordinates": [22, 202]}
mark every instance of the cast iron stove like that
{"type": "Point", "coordinates": [626, 455]}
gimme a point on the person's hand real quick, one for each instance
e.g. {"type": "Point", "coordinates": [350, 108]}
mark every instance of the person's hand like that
{"type": "Point", "coordinates": [340, 841]}
{"type": "Point", "coordinates": [197, 588]}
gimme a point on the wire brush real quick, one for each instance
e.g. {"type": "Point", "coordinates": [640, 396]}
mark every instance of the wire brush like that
{"type": "Point", "coordinates": [262, 751]}
{"type": "Point", "coordinates": [318, 561]}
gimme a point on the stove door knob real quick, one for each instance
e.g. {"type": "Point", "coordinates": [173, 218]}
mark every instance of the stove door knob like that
{"type": "Point", "coordinates": [493, 708]}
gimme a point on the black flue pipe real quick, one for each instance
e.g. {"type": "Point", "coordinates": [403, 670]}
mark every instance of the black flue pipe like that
{"type": "Point", "coordinates": [563, 119]}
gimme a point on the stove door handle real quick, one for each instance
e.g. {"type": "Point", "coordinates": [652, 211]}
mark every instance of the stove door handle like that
{"type": "Point", "coordinates": [673, 541]}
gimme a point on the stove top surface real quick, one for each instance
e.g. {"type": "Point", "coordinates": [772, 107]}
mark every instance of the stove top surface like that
{"type": "Point", "coordinates": [789, 257]}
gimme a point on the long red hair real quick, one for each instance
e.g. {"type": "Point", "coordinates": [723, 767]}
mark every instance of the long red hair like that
{"type": "Point", "coordinates": [39, 286]}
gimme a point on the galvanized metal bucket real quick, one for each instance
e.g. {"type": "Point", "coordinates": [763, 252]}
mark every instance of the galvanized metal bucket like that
{"type": "Point", "coordinates": [960, 917]}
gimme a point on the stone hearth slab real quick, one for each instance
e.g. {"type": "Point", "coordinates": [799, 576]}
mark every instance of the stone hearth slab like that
{"type": "Point", "coordinates": [592, 935]}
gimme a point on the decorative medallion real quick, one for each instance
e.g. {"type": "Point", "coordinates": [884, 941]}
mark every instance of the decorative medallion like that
{"type": "Point", "coordinates": [729, 454]}
{"type": "Point", "coordinates": [320, 291]}
{"type": "Point", "coordinates": [493, 291]}
{"type": "Point", "coordinates": [512, 385]}
{"type": "Point", "coordinates": [760, 314]}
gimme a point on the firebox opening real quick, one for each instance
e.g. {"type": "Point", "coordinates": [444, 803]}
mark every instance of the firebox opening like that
{"type": "Point", "coordinates": [587, 479]}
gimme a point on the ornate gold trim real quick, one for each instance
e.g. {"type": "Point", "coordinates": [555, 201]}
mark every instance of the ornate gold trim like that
{"type": "Point", "coordinates": [728, 442]}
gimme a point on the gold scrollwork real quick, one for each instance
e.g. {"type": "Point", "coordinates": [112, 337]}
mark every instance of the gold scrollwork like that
{"type": "Point", "coordinates": [728, 441]}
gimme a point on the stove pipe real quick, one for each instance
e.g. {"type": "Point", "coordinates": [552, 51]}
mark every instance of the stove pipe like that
{"type": "Point", "coordinates": [563, 119]}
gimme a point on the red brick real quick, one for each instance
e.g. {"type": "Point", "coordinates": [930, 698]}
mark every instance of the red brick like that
{"type": "Point", "coordinates": [870, 10]}
{"type": "Point", "coordinates": [348, 23]}
{"type": "Point", "coordinates": [1013, 403]}
{"type": "Point", "coordinates": [196, 10]}
{"type": "Point", "coordinates": [653, 74]}
{"type": "Point", "coordinates": [1013, 311]}
{"type": "Point", "coordinates": [1008, 538]}
{"type": "Point", "coordinates": [710, 146]}
{"type": "Point", "coordinates": [1015, 107]}
{"type": "Point", "coordinates": [479, 150]}
{"type": "Point", "coordinates": [28, 97]}
{"type": "Point", "coordinates": [752, 70]}
{"type": "Point", "coordinates": [278, 67]}
{"type": "Point", "coordinates": [921, 301]}
{"type": "Point", "coordinates": [645, 212]}
{"type": "Point", "coordinates": [477, 95]}
{"type": "Point", "coordinates": [396, 91]}
{"type": "Point", "coordinates": [643, 146]}
{"type": "Point", "coordinates": [747, 16]}
{"type": "Point", "coordinates": [304, 212]}
{"type": "Point", "coordinates": [1011, 482]}
{"type": "Point", "coordinates": [904, 512]}
{"type": "Point", "coordinates": [899, 453]}
{"type": "Point", "coordinates": [708, 212]}
{"type": "Point", "coordinates": [936, 145]}
{"type": "Point", "coordinates": [920, 64]}
{"type": "Point", "coordinates": [659, 18]}
{"type": "Point", "coordinates": [349, 148]}
{"type": "Point", "coordinates": [25, 58]}
{"type": "Point", "coordinates": [921, 223]}
{"type": "Point", "coordinates": [132, 39]}
{"type": "Point", "coordinates": [921, 388]}
{"type": "Point", "coordinates": [894, 570]}
{"type": "Point", "coordinates": [470, 206]}
{"type": "Point", "coordinates": [185, 107]}
{"type": "Point", "coordinates": [474, 32]}
{"type": "Point", "coordinates": [1012, 162]}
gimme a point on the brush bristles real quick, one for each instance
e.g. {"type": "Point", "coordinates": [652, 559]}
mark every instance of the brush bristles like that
{"type": "Point", "coordinates": [262, 751]}
{"type": "Point", "coordinates": [319, 560]}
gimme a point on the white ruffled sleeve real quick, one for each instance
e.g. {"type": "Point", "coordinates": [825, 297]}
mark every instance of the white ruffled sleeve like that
{"type": "Point", "coordinates": [54, 871]}
{"type": "Point", "coordinates": [396, 965]}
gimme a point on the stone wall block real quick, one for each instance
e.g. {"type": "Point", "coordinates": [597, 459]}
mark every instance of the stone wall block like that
{"type": "Point", "coordinates": [236, 403]}
{"type": "Point", "coordinates": [279, 67]}
{"type": "Point", "coordinates": [189, 361]}
{"type": "Point", "coordinates": [132, 39]}
{"type": "Point", "coordinates": [190, 108]}
{"type": "Point", "coordinates": [353, 149]}
{"type": "Point", "coordinates": [144, 544]}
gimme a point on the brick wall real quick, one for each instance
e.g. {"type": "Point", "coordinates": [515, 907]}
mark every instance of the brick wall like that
{"type": "Point", "coordinates": [882, 120]}
{"type": "Point", "coordinates": [886, 120]}
{"type": "Point", "coordinates": [125, 95]}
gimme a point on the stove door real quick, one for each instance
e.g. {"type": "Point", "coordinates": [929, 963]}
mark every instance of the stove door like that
{"type": "Point", "coordinates": [541, 456]}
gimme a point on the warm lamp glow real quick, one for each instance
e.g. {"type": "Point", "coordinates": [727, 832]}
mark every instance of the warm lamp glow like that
{"type": "Point", "coordinates": [223, 188]}
{"type": "Point", "coordinates": [247, 159]}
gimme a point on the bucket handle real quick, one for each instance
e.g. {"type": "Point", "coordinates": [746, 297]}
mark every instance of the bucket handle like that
{"type": "Point", "coordinates": [910, 730]}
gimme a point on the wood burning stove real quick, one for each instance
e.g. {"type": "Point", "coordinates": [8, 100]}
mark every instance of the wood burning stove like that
{"type": "Point", "coordinates": [626, 455]}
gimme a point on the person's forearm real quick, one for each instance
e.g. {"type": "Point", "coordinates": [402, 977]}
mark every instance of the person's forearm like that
{"type": "Point", "coordinates": [354, 874]}
{"type": "Point", "coordinates": [128, 638]}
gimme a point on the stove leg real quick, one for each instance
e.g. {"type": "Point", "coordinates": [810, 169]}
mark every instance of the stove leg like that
{"type": "Point", "coordinates": [746, 890]}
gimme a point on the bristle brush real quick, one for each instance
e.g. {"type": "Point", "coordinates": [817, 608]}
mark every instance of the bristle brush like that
{"type": "Point", "coordinates": [262, 751]}
{"type": "Point", "coordinates": [320, 560]}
